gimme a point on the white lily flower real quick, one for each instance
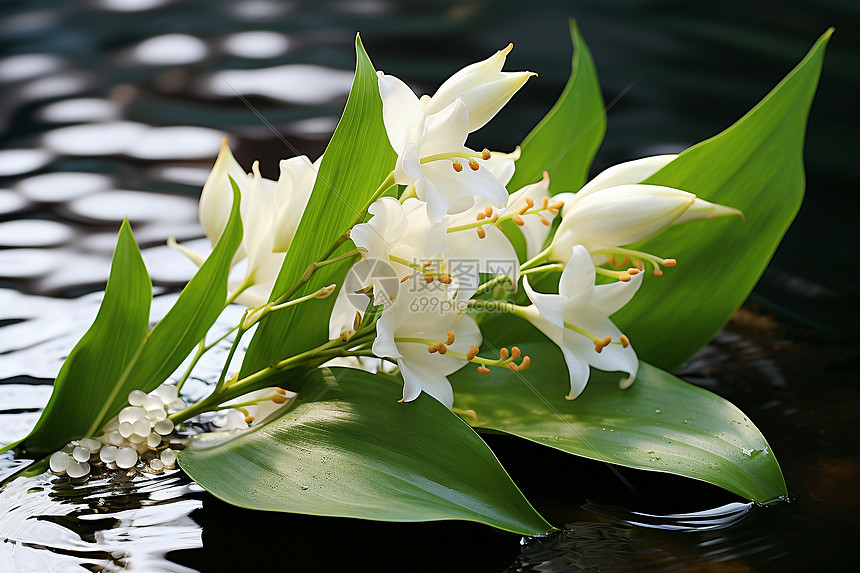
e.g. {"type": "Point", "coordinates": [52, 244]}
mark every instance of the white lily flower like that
{"type": "Point", "coordinates": [429, 134]}
{"type": "Point", "coordinates": [270, 213]}
{"type": "Point", "coordinates": [483, 87]}
{"type": "Point", "coordinates": [403, 240]}
{"type": "Point", "coordinates": [614, 209]}
{"type": "Point", "coordinates": [536, 213]}
{"type": "Point", "coordinates": [423, 331]}
{"type": "Point", "coordinates": [295, 184]}
{"type": "Point", "coordinates": [577, 320]}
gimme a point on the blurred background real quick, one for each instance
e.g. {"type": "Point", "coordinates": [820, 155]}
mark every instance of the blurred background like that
{"type": "Point", "coordinates": [116, 108]}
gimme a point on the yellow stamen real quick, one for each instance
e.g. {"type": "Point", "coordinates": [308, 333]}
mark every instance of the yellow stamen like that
{"type": "Point", "coordinates": [514, 367]}
{"type": "Point", "coordinates": [488, 211]}
{"type": "Point", "coordinates": [473, 351]}
{"type": "Point", "coordinates": [519, 220]}
{"type": "Point", "coordinates": [503, 353]}
{"type": "Point", "coordinates": [515, 352]}
{"type": "Point", "coordinates": [428, 278]}
{"type": "Point", "coordinates": [545, 221]}
{"type": "Point", "coordinates": [279, 399]}
{"type": "Point", "coordinates": [450, 340]}
{"type": "Point", "coordinates": [404, 279]}
{"type": "Point", "coordinates": [625, 342]}
{"type": "Point", "coordinates": [473, 165]}
{"type": "Point", "coordinates": [669, 262]}
{"type": "Point", "coordinates": [458, 167]}
{"type": "Point", "coordinates": [356, 321]}
{"type": "Point", "coordinates": [485, 154]}
{"type": "Point", "coordinates": [525, 363]}
{"type": "Point", "coordinates": [480, 216]}
{"type": "Point", "coordinates": [281, 391]}
{"type": "Point", "coordinates": [483, 369]}
{"type": "Point", "coordinates": [482, 234]}
{"type": "Point", "coordinates": [249, 419]}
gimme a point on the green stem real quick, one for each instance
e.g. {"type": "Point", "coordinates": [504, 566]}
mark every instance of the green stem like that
{"type": "Point", "coordinates": [312, 358]}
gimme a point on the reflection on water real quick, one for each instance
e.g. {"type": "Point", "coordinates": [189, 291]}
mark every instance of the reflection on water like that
{"type": "Point", "coordinates": [116, 108]}
{"type": "Point", "coordinates": [108, 523]}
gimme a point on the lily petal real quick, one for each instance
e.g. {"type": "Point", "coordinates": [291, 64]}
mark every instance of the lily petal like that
{"type": "Point", "coordinates": [216, 199]}
{"type": "Point", "coordinates": [627, 173]}
{"type": "Point", "coordinates": [483, 87]}
{"type": "Point", "coordinates": [401, 110]}
{"type": "Point", "coordinates": [547, 307]}
{"type": "Point", "coordinates": [701, 209]}
{"type": "Point", "coordinates": [625, 214]}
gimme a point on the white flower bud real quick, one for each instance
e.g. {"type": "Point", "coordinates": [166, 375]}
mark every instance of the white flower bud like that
{"type": "Point", "coordinates": [59, 462]}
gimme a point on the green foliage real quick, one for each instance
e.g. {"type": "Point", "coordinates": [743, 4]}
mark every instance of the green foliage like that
{"type": "Point", "coordinates": [660, 423]}
{"type": "Point", "coordinates": [348, 448]}
{"type": "Point", "coordinates": [101, 356]}
{"type": "Point", "coordinates": [756, 165]}
{"type": "Point", "coordinates": [119, 354]}
{"type": "Point", "coordinates": [356, 161]}
{"type": "Point", "coordinates": [566, 139]}
{"type": "Point", "coordinates": [186, 323]}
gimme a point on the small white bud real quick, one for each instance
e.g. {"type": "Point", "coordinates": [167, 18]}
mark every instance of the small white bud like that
{"type": "Point", "coordinates": [78, 469]}
{"type": "Point", "coordinates": [92, 445]}
{"type": "Point", "coordinates": [153, 403]}
{"type": "Point", "coordinates": [126, 457]}
{"type": "Point", "coordinates": [131, 414]}
{"type": "Point", "coordinates": [156, 415]}
{"type": "Point", "coordinates": [136, 397]}
{"type": "Point", "coordinates": [164, 427]}
{"type": "Point", "coordinates": [142, 427]}
{"type": "Point", "coordinates": [108, 454]}
{"type": "Point", "coordinates": [81, 454]}
{"type": "Point", "coordinates": [167, 393]}
{"type": "Point", "coordinates": [176, 405]}
{"type": "Point", "coordinates": [168, 456]}
{"type": "Point", "coordinates": [126, 429]}
{"type": "Point", "coordinates": [153, 439]}
{"type": "Point", "coordinates": [156, 465]}
{"type": "Point", "coordinates": [59, 462]}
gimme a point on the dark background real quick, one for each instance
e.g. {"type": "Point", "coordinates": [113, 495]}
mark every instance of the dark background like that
{"type": "Point", "coordinates": [687, 70]}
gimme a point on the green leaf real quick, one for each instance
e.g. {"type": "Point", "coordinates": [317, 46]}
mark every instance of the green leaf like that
{"type": "Point", "coordinates": [186, 323]}
{"type": "Point", "coordinates": [756, 165]}
{"type": "Point", "coordinates": [102, 354]}
{"type": "Point", "coordinates": [356, 161]}
{"type": "Point", "coordinates": [660, 423]}
{"type": "Point", "coordinates": [566, 139]}
{"type": "Point", "coordinates": [119, 354]}
{"type": "Point", "coordinates": [347, 448]}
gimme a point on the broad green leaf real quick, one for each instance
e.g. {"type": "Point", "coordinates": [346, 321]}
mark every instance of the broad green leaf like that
{"type": "Point", "coordinates": [660, 423]}
{"type": "Point", "coordinates": [756, 165]}
{"type": "Point", "coordinates": [354, 164]}
{"type": "Point", "coordinates": [566, 139]}
{"type": "Point", "coordinates": [185, 324]}
{"type": "Point", "coordinates": [348, 448]}
{"type": "Point", "coordinates": [102, 354]}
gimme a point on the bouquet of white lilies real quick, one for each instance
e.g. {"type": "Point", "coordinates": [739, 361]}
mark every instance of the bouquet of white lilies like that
{"type": "Point", "coordinates": [391, 267]}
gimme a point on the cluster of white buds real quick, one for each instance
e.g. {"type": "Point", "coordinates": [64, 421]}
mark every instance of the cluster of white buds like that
{"type": "Point", "coordinates": [136, 438]}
